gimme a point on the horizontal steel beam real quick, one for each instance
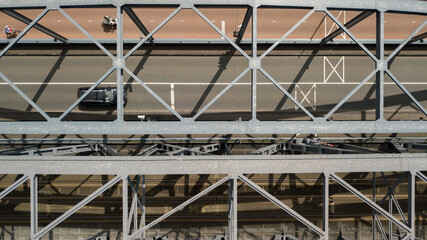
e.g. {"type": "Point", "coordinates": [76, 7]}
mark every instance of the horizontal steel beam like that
{"type": "Point", "coordinates": [213, 41]}
{"type": "Point", "coordinates": [414, 6]}
{"type": "Point", "coordinates": [225, 164]}
{"type": "Point", "coordinates": [346, 142]}
{"type": "Point", "coordinates": [220, 127]}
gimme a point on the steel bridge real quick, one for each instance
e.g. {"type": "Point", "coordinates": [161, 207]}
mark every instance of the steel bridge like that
{"type": "Point", "coordinates": [30, 157]}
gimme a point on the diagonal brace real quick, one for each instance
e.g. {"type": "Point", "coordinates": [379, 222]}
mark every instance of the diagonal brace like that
{"type": "Point", "coordinates": [128, 10]}
{"type": "Point", "coordinates": [13, 186]}
{"type": "Point", "coordinates": [350, 35]}
{"type": "Point", "coordinates": [221, 33]}
{"type": "Point", "coordinates": [400, 85]}
{"type": "Point", "coordinates": [15, 40]}
{"type": "Point", "coordinates": [393, 198]}
{"type": "Point", "coordinates": [407, 40]}
{"type": "Point", "coordinates": [181, 206]}
{"type": "Point", "coordinates": [283, 206]}
{"type": "Point", "coordinates": [153, 93]}
{"type": "Point", "coordinates": [348, 25]}
{"type": "Point", "coordinates": [371, 203]}
{"type": "Point", "coordinates": [152, 32]}
{"type": "Point", "coordinates": [422, 176]}
{"type": "Point", "coordinates": [77, 207]}
{"type": "Point", "coordinates": [86, 33]}
{"type": "Point", "coordinates": [286, 93]}
{"type": "Point", "coordinates": [37, 26]}
{"type": "Point", "coordinates": [24, 96]}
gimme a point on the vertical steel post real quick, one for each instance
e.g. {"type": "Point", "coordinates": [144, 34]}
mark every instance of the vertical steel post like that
{"type": "Point", "coordinates": [254, 58]}
{"type": "Point", "coordinates": [411, 203]}
{"type": "Point", "coordinates": [374, 199]}
{"type": "Point", "coordinates": [125, 206]}
{"type": "Point", "coordinates": [142, 221]}
{"type": "Point", "coordinates": [390, 223]}
{"type": "Point", "coordinates": [232, 208]}
{"type": "Point", "coordinates": [326, 206]}
{"type": "Point", "coordinates": [380, 66]}
{"type": "Point", "coordinates": [135, 201]}
{"type": "Point", "coordinates": [34, 206]}
{"type": "Point", "coordinates": [120, 63]}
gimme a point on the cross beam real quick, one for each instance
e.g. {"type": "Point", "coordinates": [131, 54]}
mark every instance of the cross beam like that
{"type": "Point", "coordinates": [408, 6]}
{"type": "Point", "coordinates": [225, 164]}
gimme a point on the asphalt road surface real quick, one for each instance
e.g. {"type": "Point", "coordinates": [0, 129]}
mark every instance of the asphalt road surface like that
{"type": "Point", "coordinates": [188, 83]}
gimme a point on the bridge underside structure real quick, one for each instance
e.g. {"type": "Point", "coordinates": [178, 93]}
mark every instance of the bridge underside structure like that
{"type": "Point", "coordinates": [402, 161]}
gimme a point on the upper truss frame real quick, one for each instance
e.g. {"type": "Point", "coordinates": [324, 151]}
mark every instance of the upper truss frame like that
{"type": "Point", "coordinates": [410, 6]}
{"type": "Point", "coordinates": [322, 125]}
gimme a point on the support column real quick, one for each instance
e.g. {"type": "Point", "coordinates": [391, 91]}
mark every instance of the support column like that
{"type": "Point", "coordinates": [390, 210]}
{"type": "Point", "coordinates": [326, 206]}
{"type": "Point", "coordinates": [135, 201]}
{"type": "Point", "coordinates": [34, 206]}
{"type": "Point", "coordinates": [411, 203]}
{"type": "Point", "coordinates": [380, 66]}
{"type": "Point", "coordinates": [120, 63]}
{"type": "Point", "coordinates": [232, 208]}
{"type": "Point", "coordinates": [254, 57]}
{"type": "Point", "coordinates": [125, 202]}
{"type": "Point", "coordinates": [374, 199]}
{"type": "Point", "coordinates": [142, 221]}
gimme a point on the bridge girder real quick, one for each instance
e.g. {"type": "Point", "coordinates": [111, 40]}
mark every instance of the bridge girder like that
{"type": "Point", "coordinates": [410, 6]}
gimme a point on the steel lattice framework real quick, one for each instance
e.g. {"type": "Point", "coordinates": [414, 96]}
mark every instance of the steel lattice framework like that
{"type": "Point", "coordinates": [53, 125]}
{"type": "Point", "coordinates": [235, 168]}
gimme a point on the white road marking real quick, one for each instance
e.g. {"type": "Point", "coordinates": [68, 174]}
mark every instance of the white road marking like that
{"type": "Point", "coordinates": [173, 96]}
{"type": "Point", "coordinates": [305, 97]}
{"type": "Point", "coordinates": [182, 21]}
{"type": "Point", "coordinates": [151, 20]}
{"type": "Point", "coordinates": [218, 84]}
{"type": "Point", "coordinates": [59, 21]}
{"type": "Point", "coordinates": [334, 69]}
{"type": "Point", "coordinates": [89, 20]}
{"type": "Point", "coordinates": [334, 25]}
{"type": "Point", "coordinates": [223, 27]}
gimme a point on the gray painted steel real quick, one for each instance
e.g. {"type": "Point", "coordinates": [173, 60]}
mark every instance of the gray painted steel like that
{"type": "Point", "coordinates": [189, 125]}
{"type": "Point", "coordinates": [211, 164]}
{"type": "Point", "coordinates": [204, 127]}
{"type": "Point", "coordinates": [385, 5]}
{"type": "Point", "coordinates": [234, 167]}
{"type": "Point", "coordinates": [186, 41]}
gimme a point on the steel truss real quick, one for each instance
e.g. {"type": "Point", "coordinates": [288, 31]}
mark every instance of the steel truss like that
{"type": "Point", "coordinates": [53, 125]}
{"type": "Point", "coordinates": [290, 147]}
{"type": "Point", "coordinates": [235, 169]}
